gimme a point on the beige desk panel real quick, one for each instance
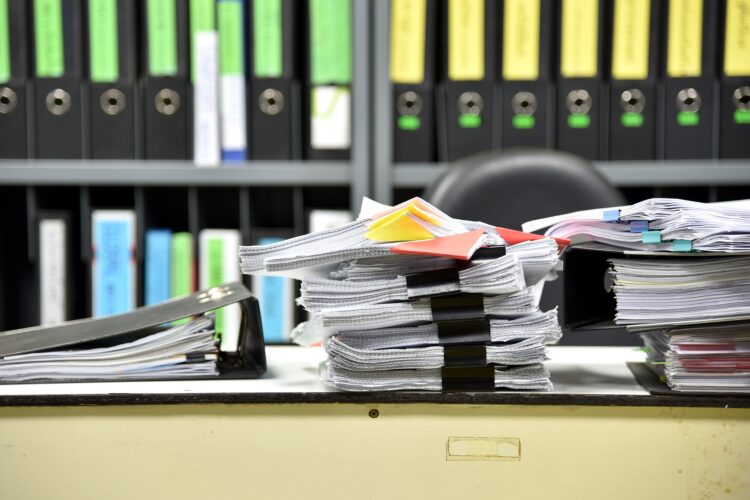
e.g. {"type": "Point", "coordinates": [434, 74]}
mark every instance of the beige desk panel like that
{"type": "Point", "coordinates": [339, 451]}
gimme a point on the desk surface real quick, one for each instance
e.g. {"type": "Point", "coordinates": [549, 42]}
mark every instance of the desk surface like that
{"type": "Point", "coordinates": [591, 376]}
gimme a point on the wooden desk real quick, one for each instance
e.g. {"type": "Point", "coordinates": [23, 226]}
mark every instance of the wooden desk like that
{"type": "Point", "coordinates": [598, 435]}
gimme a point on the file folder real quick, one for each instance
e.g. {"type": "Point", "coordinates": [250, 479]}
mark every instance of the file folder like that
{"type": "Point", "coordinates": [230, 18]}
{"type": "Point", "coordinates": [58, 70]}
{"type": "Point", "coordinates": [581, 93]}
{"type": "Point", "coordinates": [13, 79]}
{"type": "Point", "coordinates": [54, 273]}
{"type": "Point", "coordinates": [276, 299]}
{"type": "Point", "coordinates": [689, 76]}
{"type": "Point", "coordinates": [413, 31]}
{"type": "Point", "coordinates": [527, 101]}
{"type": "Point", "coordinates": [112, 72]}
{"type": "Point", "coordinates": [274, 92]}
{"type": "Point", "coordinates": [329, 105]}
{"type": "Point", "coordinates": [633, 100]}
{"type": "Point", "coordinates": [204, 77]}
{"type": "Point", "coordinates": [466, 101]}
{"type": "Point", "coordinates": [157, 266]}
{"type": "Point", "coordinates": [166, 106]}
{"type": "Point", "coordinates": [113, 263]}
{"type": "Point", "coordinates": [734, 101]}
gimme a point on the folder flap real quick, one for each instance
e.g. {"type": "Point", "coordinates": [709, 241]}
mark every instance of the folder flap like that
{"type": "Point", "coordinates": [512, 237]}
{"type": "Point", "coordinates": [458, 246]}
{"type": "Point", "coordinates": [86, 330]}
{"type": "Point", "coordinates": [580, 39]}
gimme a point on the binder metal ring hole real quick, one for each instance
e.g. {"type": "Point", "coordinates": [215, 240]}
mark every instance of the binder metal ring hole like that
{"type": "Point", "coordinates": [470, 103]}
{"type": "Point", "coordinates": [112, 102]}
{"type": "Point", "coordinates": [8, 100]}
{"type": "Point", "coordinates": [578, 102]}
{"type": "Point", "coordinates": [688, 100]}
{"type": "Point", "coordinates": [58, 102]}
{"type": "Point", "coordinates": [271, 101]}
{"type": "Point", "coordinates": [524, 103]}
{"type": "Point", "coordinates": [409, 103]}
{"type": "Point", "coordinates": [167, 102]}
{"type": "Point", "coordinates": [741, 98]}
{"type": "Point", "coordinates": [632, 101]}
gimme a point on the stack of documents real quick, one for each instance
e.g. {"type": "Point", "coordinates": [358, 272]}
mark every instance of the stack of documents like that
{"type": "Point", "coordinates": [408, 298]}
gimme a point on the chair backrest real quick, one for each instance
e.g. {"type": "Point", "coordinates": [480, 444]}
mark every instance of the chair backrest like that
{"type": "Point", "coordinates": [507, 188]}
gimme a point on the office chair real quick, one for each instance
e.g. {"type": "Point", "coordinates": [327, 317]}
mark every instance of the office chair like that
{"type": "Point", "coordinates": [508, 188]}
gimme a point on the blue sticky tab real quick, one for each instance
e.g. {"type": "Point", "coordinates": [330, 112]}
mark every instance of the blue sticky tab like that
{"type": "Point", "coordinates": [611, 215]}
{"type": "Point", "coordinates": [682, 246]}
{"type": "Point", "coordinates": [638, 226]}
{"type": "Point", "coordinates": [651, 237]}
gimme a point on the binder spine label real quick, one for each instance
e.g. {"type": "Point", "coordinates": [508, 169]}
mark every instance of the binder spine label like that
{"type": "Point", "coordinates": [216, 275]}
{"type": "Point", "coordinates": [580, 39]}
{"type": "Point", "coordinates": [408, 26]}
{"type": "Point", "coordinates": [685, 38]}
{"type": "Point", "coordinates": [331, 42]}
{"type": "Point", "coordinates": [48, 39]}
{"type": "Point", "coordinates": [182, 282]}
{"type": "Point", "coordinates": [521, 39]}
{"type": "Point", "coordinates": [267, 39]}
{"type": "Point", "coordinates": [103, 50]}
{"type": "Point", "coordinates": [331, 118]}
{"type": "Point", "coordinates": [52, 258]}
{"type": "Point", "coordinates": [4, 43]}
{"type": "Point", "coordinates": [232, 70]}
{"type": "Point", "coordinates": [157, 280]}
{"type": "Point", "coordinates": [202, 20]}
{"type": "Point", "coordinates": [114, 279]}
{"type": "Point", "coordinates": [162, 37]}
{"type": "Point", "coordinates": [206, 145]}
{"type": "Point", "coordinates": [737, 38]}
{"type": "Point", "coordinates": [466, 39]}
{"type": "Point", "coordinates": [630, 47]}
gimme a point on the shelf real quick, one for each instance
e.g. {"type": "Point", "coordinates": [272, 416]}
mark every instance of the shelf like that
{"type": "Point", "coordinates": [175, 173]}
{"type": "Point", "coordinates": [620, 173]}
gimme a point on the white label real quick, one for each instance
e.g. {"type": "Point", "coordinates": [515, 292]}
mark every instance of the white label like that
{"type": "Point", "coordinates": [331, 118]}
{"type": "Point", "coordinates": [233, 132]}
{"type": "Point", "coordinates": [206, 149]}
{"type": "Point", "coordinates": [52, 258]}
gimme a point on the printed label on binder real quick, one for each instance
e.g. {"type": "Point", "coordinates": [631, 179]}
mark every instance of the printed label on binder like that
{"type": "Point", "coordinates": [408, 25]}
{"type": "Point", "coordinates": [4, 43]}
{"type": "Point", "coordinates": [331, 118]}
{"type": "Point", "coordinates": [202, 20]}
{"type": "Point", "coordinates": [331, 42]}
{"type": "Point", "coordinates": [580, 39]}
{"type": "Point", "coordinates": [162, 37]}
{"type": "Point", "coordinates": [737, 38]}
{"type": "Point", "coordinates": [267, 42]}
{"type": "Point", "coordinates": [631, 39]}
{"type": "Point", "coordinates": [685, 38]}
{"type": "Point", "coordinates": [466, 39]}
{"type": "Point", "coordinates": [48, 33]}
{"type": "Point", "coordinates": [521, 40]}
{"type": "Point", "coordinates": [103, 53]}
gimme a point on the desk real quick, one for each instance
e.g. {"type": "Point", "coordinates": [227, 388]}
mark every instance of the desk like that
{"type": "Point", "coordinates": [598, 435]}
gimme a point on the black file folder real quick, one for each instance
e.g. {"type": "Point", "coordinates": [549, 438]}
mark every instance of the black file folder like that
{"type": "Point", "coordinates": [689, 72]}
{"type": "Point", "coordinates": [413, 32]}
{"type": "Point", "coordinates": [273, 90]}
{"type": "Point", "coordinates": [164, 86]}
{"type": "Point", "coordinates": [465, 97]}
{"type": "Point", "coordinates": [58, 28]}
{"type": "Point", "coordinates": [581, 93]}
{"type": "Point", "coordinates": [248, 362]}
{"type": "Point", "coordinates": [112, 72]}
{"type": "Point", "coordinates": [734, 96]}
{"type": "Point", "coordinates": [633, 102]}
{"type": "Point", "coordinates": [13, 83]}
{"type": "Point", "coordinates": [527, 97]}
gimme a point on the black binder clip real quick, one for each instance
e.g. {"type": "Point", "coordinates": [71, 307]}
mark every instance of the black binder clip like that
{"type": "Point", "coordinates": [455, 307]}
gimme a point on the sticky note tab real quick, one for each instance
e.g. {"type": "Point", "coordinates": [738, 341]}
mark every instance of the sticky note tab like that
{"type": "Point", "coordinates": [630, 46]}
{"type": "Point", "coordinates": [651, 237]}
{"type": "Point", "coordinates": [466, 39]}
{"type": "Point", "coordinates": [408, 25]}
{"type": "Point", "coordinates": [401, 228]}
{"type": "Point", "coordinates": [682, 246]}
{"type": "Point", "coordinates": [4, 43]}
{"type": "Point", "coordinates": [737, 38]}
{"type": "Point", "coordinates": [685, 38]}
{"type": "Point", "coordinates": [104, 57]}
{"type": "Point", "coordinates": [521, 39]}
{"type": "Point", "coordinates": [579, 56]}
{"type": "Point", "coordinates": [48, 36]}
{"type": "Point", "coordinates": [638, 226]}
{"type": "Point", "coordinates": [162, 37]}
{"type": "Point", "coordinates": [611, 215]}
{"type": "Point", "coordinates": [330, 42]}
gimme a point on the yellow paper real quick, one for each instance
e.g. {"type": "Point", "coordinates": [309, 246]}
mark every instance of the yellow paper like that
{"type": "Point", "coordinates": [737, 38]}
{"type": "Point", "coordinates": [685, 38]}
{"type": "Point", "coordinates": [631, 39]}
{"type": "Point", "coordinates": [521, 40]}
{"type": "Point", "coordinates": [580, 39]}
{"type": "Point", "coordinates": [411, 208]}
{"type": "Point", "coordinates": [399, 228]}
{"type": "Point", "coordinates": [408, 24]}
{"type": "Point", "coordinates": [466, 39]}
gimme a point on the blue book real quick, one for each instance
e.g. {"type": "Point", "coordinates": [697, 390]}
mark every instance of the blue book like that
{"type": "Point", "coordinates": [113, 265]}
{"type": "Point", "coordinates": [276, 299]}
{"type": "Point", "coordinates": [157, 264]}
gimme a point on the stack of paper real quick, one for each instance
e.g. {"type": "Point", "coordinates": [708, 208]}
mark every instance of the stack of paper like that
{"type": "Point", "coordinates": [408, 298]}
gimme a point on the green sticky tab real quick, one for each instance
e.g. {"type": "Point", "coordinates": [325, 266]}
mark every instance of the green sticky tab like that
{"type": "Point", "coordinates": [267, 40]}
{"type": "Point", "coordinates": [48, 39]}
{"type": "Point", "coordinates": [742, 116]}
{"type": "Point", "coordinates": [202, 18]}
{"type": "Point", "coordinates": [524, 121]}
{"type": "Point", "coordinates": [330, 42]}
{"type": "Point", "coordinates": [103, 50]}
{"type": "Point", "coordinates": [162, 37]}
{"type": "Point", "coordinates": [651, 237]}
{"type": "Point", "coordinates": [4, 43]}
{"type": "Point", "coordinates": [688, 118]}
{"type": "Point", "coordinates": [631, 119]}
{"type": "Point", "coordinates": [469, 121]}
{"type": "Point", "coordinates": [231, 39]}
{"type": "Point", "coordinates": [579, 121]}
{"type": "Point", "coordinates": [216, 275]}
{"type": "Point", "coordinates": [682, 245]}
{"type": "Point", "coordinates": [409, 122]}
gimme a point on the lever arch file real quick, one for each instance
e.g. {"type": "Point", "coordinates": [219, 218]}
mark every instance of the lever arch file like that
{"type": "Point", "coordinates": [734, 98]}
{"type": "Point", "coordinates": [13, 79]}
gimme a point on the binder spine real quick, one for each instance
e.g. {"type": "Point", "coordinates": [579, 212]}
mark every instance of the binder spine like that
{"type": "Point", "coordinates": [13, 79]}
{"type": "Point", "coordinates": [231, 23]}
{"type": "Point", "coordinates": [734, 99]}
